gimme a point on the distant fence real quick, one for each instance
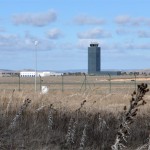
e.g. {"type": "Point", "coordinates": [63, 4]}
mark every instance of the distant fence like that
{"type": "Point", "coordinates": [73, 83]}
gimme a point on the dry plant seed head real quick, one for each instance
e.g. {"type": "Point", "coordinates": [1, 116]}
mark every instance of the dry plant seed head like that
{"type": "Point", "coordinates": [128, 118]}
{"type": "Point", "coordinates": [125, 108]}
{"type": "Point", "coordinates": [9, 103]}
{"type": "Point", "coordinates": [51, 105]}
{"type": "Point", "coordinates": [118, 145]}
{"type": "Point", "coordinates": [40, 108]}
{"type": "Point", "coordinates": [149, 142]}
{"type": "Point", "coordinates": [102, 123]}
{"type": "Point", "coordinates": [134, 93]}
{"type": "Point", "coordinates": [50, 118]}
{"type": "Point", "coordinates": [82, 104]}
{"type": "Point", "coordinates": [83, 138]}
{"type": "Point", "coordinates": [18, 115]}
{"type": "Point", "coordinates": [68, 136]}
{"type": "Point", "coordinates": [73, 132]}
{"type": "Point", "coordinates": [145, 146]}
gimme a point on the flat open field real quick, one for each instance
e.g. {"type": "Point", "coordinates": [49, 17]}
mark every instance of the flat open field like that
{"type": "Point", "coordinates": [74, 83]}
{"type": "Point", "coordinates": [90, 109]}
{"type": "Point", "coordinates": [99, 92]}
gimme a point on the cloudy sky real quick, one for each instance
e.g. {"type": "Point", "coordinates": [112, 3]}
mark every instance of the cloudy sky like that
{"type": "Point", "coordinates": [65, 28]}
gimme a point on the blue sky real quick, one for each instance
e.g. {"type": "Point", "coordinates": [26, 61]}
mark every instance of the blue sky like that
{"type": "Point", "coordinates": [65, 28]}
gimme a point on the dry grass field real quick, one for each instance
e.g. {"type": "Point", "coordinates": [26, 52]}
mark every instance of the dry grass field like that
{"type": "Point", "coordinates": [73, 83]}
{"type": "Point", "coordinates": [71, 119]}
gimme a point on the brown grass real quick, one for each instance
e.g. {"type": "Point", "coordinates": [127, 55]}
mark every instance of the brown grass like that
{"type": "Point", "coordinates": [32, 130]}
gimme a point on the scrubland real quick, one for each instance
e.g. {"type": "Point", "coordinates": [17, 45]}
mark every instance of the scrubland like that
{"type": "Point", "coordinates": [70, 120]}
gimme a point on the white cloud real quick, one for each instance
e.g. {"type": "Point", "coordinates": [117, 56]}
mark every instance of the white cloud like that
{"type": "Point", "coordinates": [8, 40]}
{"type": "Point", "coordinates": [54, 33]}
{"type": "Point", "coordinates": [145, 46]}
{"type": "Point", "coordinates": [12, 42]}
{"type": "Point", "coordinates": [88, 20]}
{"type": "Point", "coordinates": [114, 48]}
{"type": "Point", "coordinates": [123, 20]}
{"type": "Point", "coordinates": [139, 33]}
{"type": "Point", "coordinates": [134, 21]}
{"type": "Point", "coordinates": [35, 19]}
{"type": "Point", "coordinates": [67, 46]}
{"type": "Point", "coordinates": [132, 46]}
{"type": "Point", "coordinates": [83, 44]}
{"type": "Point", "coordinates": [143, 34]}
{"type": "Point", "coordinates": [2, 29]}
{"type": "Point", "coordinates": [123, 31]}
{"type": "Point", "coordinates": [94, 33]}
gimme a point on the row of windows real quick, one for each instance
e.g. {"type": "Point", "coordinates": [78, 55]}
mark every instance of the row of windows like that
{"type": "Point", "coordinates": [27, 75]}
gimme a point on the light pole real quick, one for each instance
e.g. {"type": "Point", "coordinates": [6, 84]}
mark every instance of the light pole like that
{"type": "Point", "coordinates": [109, 82]}
{"type": "Point", "coordinates": [35, 43]}
{"type": "Point", "coordinates": [62, 82]}
{"type": "Point", "coordinates": [85, 80]}
{"type": "Point", "coordinates": [135, 80]}
{"type": "Point", "coordinates": [40, 83]}
{"type": "Point", "coordinates": [19, 81]}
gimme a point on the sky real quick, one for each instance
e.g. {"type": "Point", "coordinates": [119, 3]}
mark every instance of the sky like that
{"type": "Point", "coordinates": [65, 28]}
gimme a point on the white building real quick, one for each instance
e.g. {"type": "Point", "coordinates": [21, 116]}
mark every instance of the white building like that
{"type": "Point", "coordinates": [42, 74]}
{"type": "Point", "coordinates": [27, 74]}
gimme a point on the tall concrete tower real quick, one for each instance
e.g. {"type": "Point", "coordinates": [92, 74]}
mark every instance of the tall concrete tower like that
{"type": "Point", "coordinates": [94, 59]}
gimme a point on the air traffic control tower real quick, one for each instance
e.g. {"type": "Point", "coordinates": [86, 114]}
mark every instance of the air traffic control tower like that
{"type": "Point", "coordinates": [94, 59]}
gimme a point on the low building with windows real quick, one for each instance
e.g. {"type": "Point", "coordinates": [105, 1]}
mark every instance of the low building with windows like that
{"type": "Point", "coordinates": [38, 74]}
{"type": "Point", "coordinates": [9, 73]}
{"type": "Point", "coordinates": [27, 74]}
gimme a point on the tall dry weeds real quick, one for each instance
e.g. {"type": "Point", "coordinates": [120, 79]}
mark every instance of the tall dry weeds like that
{"type": "Point", "coordinates": [99, 135]}
{"type": "Point", "coordinates": [145, 146]}
{"type": "Point", "coordinates": [129, 116]}
{"type": "Point", "coordinates": [68, 136]}
{"type": "Point", "coordinates": [10, 101]}
{"type": "Point", "coordinates": [50, 117]}
{"type": "Point", "coordinates": [19, 113]}
{"type": "Point", "coordinates": [83, 138]}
